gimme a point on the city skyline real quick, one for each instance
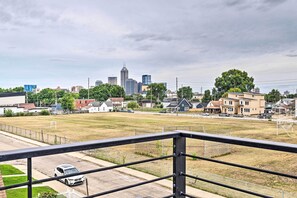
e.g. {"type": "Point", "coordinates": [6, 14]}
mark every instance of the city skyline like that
{"type": "Point", "coordinates": [54, 43]}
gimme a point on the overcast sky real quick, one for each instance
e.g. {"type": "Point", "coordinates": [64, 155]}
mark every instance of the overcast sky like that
{"type": "Point", "coordinates": [61, 43]}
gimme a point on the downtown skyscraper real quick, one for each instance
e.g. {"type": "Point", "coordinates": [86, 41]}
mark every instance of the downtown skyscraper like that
{"type": "Point", "coordinates": [124, 76]}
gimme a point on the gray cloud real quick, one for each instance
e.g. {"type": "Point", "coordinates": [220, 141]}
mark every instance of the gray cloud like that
{"type": "Point", "coordinates": [147, 36]}
{"type": "Point", "coordinates": [181, 37]}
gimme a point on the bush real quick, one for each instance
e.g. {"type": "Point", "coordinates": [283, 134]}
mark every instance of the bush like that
{"type": "Point", "coordinates": [8, 113]}
{"type": "Point", "coordinates": [133, 105]}
{"type": "Point", "coordinates": [44, 112]}
{"type": "Point", "coordinates": [47, 195]}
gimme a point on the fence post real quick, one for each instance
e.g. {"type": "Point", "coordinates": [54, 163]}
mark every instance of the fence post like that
{"type": "Point", "coordinates": [179, 167]}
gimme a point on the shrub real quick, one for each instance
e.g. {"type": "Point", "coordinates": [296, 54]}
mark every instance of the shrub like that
{"type": "Point", "coordinates": [133, 105]}
{"type": "Point", "coordinates": [8, 113]}
{"type": "Point", "coordinates": [47, 195]}
{"type": "Point", "coordinates": [44, 112]}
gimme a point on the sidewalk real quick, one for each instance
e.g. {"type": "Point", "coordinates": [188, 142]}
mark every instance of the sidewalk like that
{"type": "Point", "coordinates": [61, 187]}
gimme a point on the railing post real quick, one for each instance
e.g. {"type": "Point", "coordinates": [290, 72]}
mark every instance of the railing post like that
{"type": "Point", "coordinates": [29, 176]}
{"type": "Point", "coordinates": [179, 167]}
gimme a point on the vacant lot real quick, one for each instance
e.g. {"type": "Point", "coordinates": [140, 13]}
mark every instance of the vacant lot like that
{"type": "Point", "coordinates": [108, 125]}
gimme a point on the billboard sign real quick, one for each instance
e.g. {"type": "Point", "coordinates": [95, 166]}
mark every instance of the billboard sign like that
{"type": "Point", "coordinates": [30, 88]}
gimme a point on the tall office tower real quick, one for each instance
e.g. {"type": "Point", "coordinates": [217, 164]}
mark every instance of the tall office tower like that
{"type": "Point", "coordinates": [112, 80]}
{"type": "Point", "coordinates": [98, 82]}
{"type": "Point", "coordinates": [146, 79]}
{"type": "Point", "coordinates": [124, 76]}
{"type": "Point", "coordinates": [131, 86]}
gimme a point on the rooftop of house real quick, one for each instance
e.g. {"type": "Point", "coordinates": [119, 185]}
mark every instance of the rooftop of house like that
{"type": "Point", "coordinates": [2, 95]}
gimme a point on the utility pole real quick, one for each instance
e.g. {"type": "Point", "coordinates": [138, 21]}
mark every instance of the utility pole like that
{"type": "Point", "coordinates": [176, 84]}
{"type": "Point", "coordinates": [182, 91]}
{"type": "Point", "coordinates": [88, 88]}
{"type": "Point", "coordinates": [151, 95]}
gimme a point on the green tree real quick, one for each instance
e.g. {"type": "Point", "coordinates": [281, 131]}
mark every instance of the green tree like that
{"type": "Point", "coordinates": [185, 92]}
{"type": "Point", "coordinates": [133, 105]}
{"type": "Point", "coordinates": [83, 94]}
{"type": "Point", "coordinates": [273, 96]}
{"type": "Point", "coordinates": [47, 97]}
{"type": "Point", "coordinates": [234, 79]}
{"type": "Point", "coordinates": [207, 96]}
{"type": "Point", "coordinates": [67, 102]}
{"type": "Point", "coordinates": [156, 91]}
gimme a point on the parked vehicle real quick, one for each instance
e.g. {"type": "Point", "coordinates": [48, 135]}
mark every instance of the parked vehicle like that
{"type": "Point", "coordinates": [224, 115]}
{"type": "Point", "coordinates": [66, 169]}
{"type": "Point", "coordinates": [163, 111]}
{"type": "Point", "coordinates": [205, 114]}
{"type": "Point", "coordinates": [265, 116]}
{"type": "Point", "coordinates": [130, 111]}
{"type": "Point", "coordinates": [238, 115]}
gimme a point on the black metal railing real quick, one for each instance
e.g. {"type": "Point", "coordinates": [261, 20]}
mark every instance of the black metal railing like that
{"type": "Point", "coordinates": [179, 156]}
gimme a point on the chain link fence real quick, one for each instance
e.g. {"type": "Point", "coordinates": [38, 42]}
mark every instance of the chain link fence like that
{"type": "Point", "coordinates": [194, 147]}
{"type": "Point", "coordinates": [35, 135]}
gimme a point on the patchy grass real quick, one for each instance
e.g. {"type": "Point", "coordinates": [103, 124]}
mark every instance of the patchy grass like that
{"type": "Point", "coordinates": [22, 192]}
{"type": "Point", "coordinates": [7, 169]}
{"type": "Point", "coordinates": [15, 180]}
{"type": "Point", "coordinates": [82, 127]}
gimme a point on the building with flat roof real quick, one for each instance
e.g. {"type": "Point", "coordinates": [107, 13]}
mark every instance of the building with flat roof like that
{"type": "Point", "coordinates": [112, 80]}
{"type": "Point", "coordinates": [98, 82]}
{"type": "Point", "coordinates": [146, 79]}
{"type": "Point", "coordinates": [131, 86]}
{"type": "Point", "coordinates": [7, 99]}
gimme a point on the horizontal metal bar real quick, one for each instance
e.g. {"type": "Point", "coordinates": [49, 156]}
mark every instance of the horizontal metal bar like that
{"type": "Point", "coordinates": [188, 195]}
{"type": "Point", "coordinates": [127, 187]}
{"type": "Point", "coordinates": [101, 169]}
{"type": "Point", "coordinates": [81, 146]}
{"type": "Point", "coordinates": [242, 166]}
{"type": "Point", "coordinates": [14, 186]}
{"type": "Point", "coordinates": [169, 196]}
{"type": "Point", "coordinates": [227, 186]}
{"type": "Point", "coordinates": [263, 144]}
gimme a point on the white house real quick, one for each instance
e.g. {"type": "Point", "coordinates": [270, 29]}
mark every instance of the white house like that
{"type": "Point", "coordinates": [9, 99]}
{"type": "Point", "coordinates": [96, 107]}
{"type": "Point", "coordinates": [106, 107]}
{"type": "Point", "coordinates": [14, 109]}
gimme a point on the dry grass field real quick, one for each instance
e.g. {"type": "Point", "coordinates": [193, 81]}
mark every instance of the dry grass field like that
{"type": "Point", "coordinates": [82, 127]}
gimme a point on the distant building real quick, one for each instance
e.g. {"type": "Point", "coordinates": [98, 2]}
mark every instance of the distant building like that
{"type": "Point", "coordinates": [247, 103]}
{"type": "Point", "coordinates": [197, 96]}
{"type": "Point", "coordinates": [131, 86]}
{"type": "Point", "coordinates": [81, 103]}
{"type": "Point", "coordinates": [98, 82]}
{"type": "Point", "coordinates": [116, 102]}
{"type": "Point", "coordinates": [112, 80]}
{"type": "Point", "coordinates": [146, 79]}
{"type": "Point", "coordinates": [76, 89]}
{"type": "Point", "coordinates": [139, 87]}
{"type": "Point", "coordinates": [124, 77]}
{"type": "Point", "coordinates": [180, 105]}
{"type": "Point", "coordinates": [286, 93]}
{"type": "Point", "coordinates": [257, 90]}
{"type": "Point", "coordinates": [7, 99]}
{"type": "Point", "coordinates": [62, 89]}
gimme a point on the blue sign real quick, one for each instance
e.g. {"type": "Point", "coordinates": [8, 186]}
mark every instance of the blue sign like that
{"type": "Point", "coordinates": [30, 88]}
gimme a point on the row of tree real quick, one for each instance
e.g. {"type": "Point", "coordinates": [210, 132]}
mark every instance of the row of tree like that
{"type": "Point", "coordinates": [230, 81]}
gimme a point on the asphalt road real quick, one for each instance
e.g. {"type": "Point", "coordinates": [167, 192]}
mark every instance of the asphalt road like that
{"type": "Point", "coordinates": [98, 182]}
